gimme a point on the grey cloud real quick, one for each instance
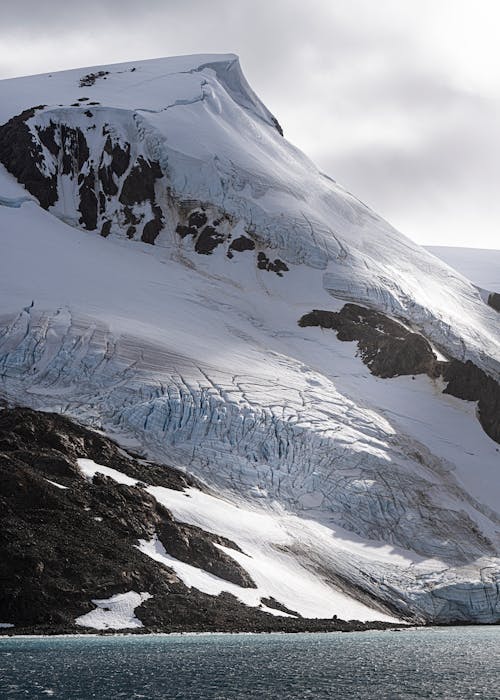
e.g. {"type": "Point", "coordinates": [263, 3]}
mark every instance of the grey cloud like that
{"type": "Point", "coordinates": [343, 68]}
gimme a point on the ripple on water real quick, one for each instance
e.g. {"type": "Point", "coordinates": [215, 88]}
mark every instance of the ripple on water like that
{"type": "Point", "coordinates": [453, 663]}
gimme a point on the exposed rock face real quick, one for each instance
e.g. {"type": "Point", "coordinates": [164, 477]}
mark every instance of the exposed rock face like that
{"type": "Point", "coordinates": [240, 244]}
{"type": "Point", "coordinates": [89, 79]}
{"type": "Point", "coordinates": [276, 265]}
{"type": "Point", "coordinates": [140, 182]}
{"type": "Point", "coordinates": [494, 301]}
{"type": "Point", "coordinates": [57, 154]}
{"type": "Point", "coordinates": [79, 164]}
{"type": "Point", "coordinates": [65, 540]}
{"type": "Point", "coordinates": [468, 382]}
{"type": "Point", "coordinates": [389, 350]}
{"type": "Point", "coordinates": [206, 234]}
{"type": "Point", "coordinates": [387, 347]}
{"type": "Point", "coordinates": [23, 156]}
{"type": "Point", "coordinates": [62, 545]}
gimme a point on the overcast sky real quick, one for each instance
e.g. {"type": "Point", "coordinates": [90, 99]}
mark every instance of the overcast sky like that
{"type": "Point", "coordinates": [398, 100]}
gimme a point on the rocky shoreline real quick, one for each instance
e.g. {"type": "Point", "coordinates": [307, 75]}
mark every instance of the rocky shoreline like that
{"type": "Point", "coordinates": [67, 540]}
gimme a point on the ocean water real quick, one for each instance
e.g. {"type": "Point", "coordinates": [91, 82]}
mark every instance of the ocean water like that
{"type": "Point", "coordinates": [452, 663]}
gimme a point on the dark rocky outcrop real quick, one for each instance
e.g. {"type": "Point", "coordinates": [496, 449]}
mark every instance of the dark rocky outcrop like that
{"type": "Point", "coordinates": [277, 265]}
{"type": "Point", "coordinates": [206, 236]}
{"type": "Point", "coordinates": [74, 146]}
{"type": "Point", "coordinates": [153, 227]}
{"type": "Point", "coordinates": [120, 157]}
{"type": "Point", "coordinates": [194, 546]}
{"type": "Point", "coordinates": [22, 155]}
{"type": "Point", "coordinates": [46, 136]}
{"type": "Point", "coordinates": [109, 183]}
{"type": "Point", "coordinates": [197, 219]}
{"type": "Point", "coordinates": [139, 185]}
{"type": "Point", "coordinates": [239, 245]}
{"type": "Point", "coordinates": [466, 381]}
{"type": "Point", "coordinates": [115, 191]}
{"type": "Point", "coordinates": [106, 229]}
{"type": "Point", "coordinates": [89, 79]}
{"type": "Point", "coordinates": [387, 347]}
{"type": "Point", "coordinates": [88, 201]}
{"type": "Point", "coordinates": [277, 125]}
{"type": "Point", "coordinates": [389, 350]}
{"type": "Point", "coordinates": [494, 301]}
{"type": "Point", "coordinates": [276, 605]}
{"type": "Point", "coordinates": [208, 240]}
{"type": "Point", "coordinates": [62, 547]}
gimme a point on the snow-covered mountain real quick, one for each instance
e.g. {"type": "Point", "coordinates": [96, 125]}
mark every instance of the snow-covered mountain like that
{"type": "Point", "coordinates": [175, 273]}
{"type": "Point", "coordinates": [480, 265]}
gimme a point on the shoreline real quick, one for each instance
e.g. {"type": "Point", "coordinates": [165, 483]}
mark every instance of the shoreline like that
{"type": "Point", "coordinates": [410, 627]}
{"type": "Point", "coordinates": [149, 635]}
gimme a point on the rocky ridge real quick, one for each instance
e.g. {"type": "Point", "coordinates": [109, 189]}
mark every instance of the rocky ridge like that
{"type": "Point", "coordinates": [389, 349]}
{"type": "Point", "coordinates": [65, 540]}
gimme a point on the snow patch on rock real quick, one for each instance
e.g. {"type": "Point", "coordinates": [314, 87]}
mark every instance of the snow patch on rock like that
{"type": "Point", "coordinates": [114, 613]}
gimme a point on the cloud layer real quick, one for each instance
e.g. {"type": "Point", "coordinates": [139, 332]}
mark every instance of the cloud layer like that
{"type": "Point", "coordinates": [400, 102]}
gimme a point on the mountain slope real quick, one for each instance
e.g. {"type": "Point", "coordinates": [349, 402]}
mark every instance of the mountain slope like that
{"type": "Point", "coordinates": [71, 526]}
{"type": "Point", "coordinates": [480, 265]}
{"type": "Point", "coordinates": [177, 329]}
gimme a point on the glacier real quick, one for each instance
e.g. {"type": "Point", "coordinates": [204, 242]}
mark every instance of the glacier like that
{"type": "Point", "coordinates": [190, 350]}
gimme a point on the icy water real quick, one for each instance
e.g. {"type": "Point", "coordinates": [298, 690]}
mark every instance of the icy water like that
{"type": "Point", "coordinates": [452, 663]}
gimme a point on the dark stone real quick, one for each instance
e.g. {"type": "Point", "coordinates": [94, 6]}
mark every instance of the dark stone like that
{"type": "Point", "coordinates": [197, 219]}
{"type": "Point", "coordinates": [22, 155]}
{"type": "Point", "coordinates": [277, 266]}
{"type": "Point", "coordinates": [120, 157]}
{"type": "Point", "coordinates": [89, 79]}
{"type": "Point", "coordinates": [184, 231]}
{"type": "Point", "coordinates": [106, 229]}
{"type": "Point", "coordinates": [131, 231]}
{"type": "Point", "coordinates": [386, 346]}
{"type": "Point", "coordinates": [47, 137]}
{"type": "Point", "coordinates": [55, 556]}
{"type": "Point", "coordinates": [75, 149]}
{"type": "Point", "coordinates": [153, 227]}
{"type": "Point", "coordinates": [208, 240]}
{"type": "Point", "coordinates": [494, 301]}
{"type": "Point", "coordinates": [22, 428]}
{"type": "Point", "coordinates": [102, 198]}
{"type": "Point", "coordinates": [241, 244]}
{"type": "Point", "coordinates": [466, 381]}
{"type": "Point", "coordinates": [277, 125]}
{"type": "Point", "coordinates": [139, 185]}
{"type": "Point", "coordinates": [108, 184]}
{"type": "Point", "coordinates": [389, 350]}
{"type": "Point", "coordinates": [196, 547]}
{"type": "Point", "coordinates": [89, 114]}
{"type": "Point", "coordinates": [276, 605]}
{"type": "Point", "coordinates": [130, 217]}
{"type": "Point", "coordinates": [88, 202]}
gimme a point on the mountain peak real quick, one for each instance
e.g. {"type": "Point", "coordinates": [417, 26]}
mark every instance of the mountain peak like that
{"type": "Point", "coordinates": [176, 273]}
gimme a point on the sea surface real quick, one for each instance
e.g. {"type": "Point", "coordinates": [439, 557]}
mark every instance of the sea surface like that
{"type": "Point", "coordinates": [452, 663]}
